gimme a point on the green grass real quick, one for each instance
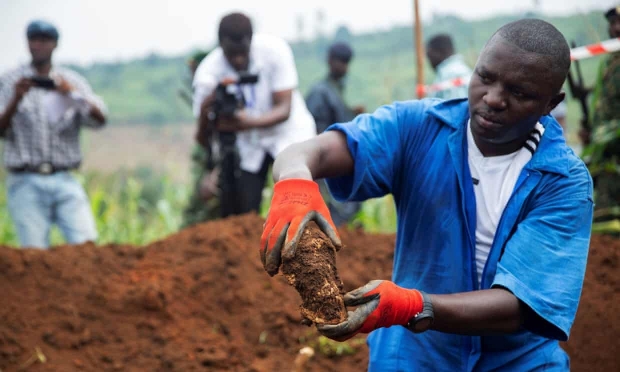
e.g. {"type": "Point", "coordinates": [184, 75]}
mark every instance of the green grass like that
{"type": "Point", "coordinates": [134, 208]}
{"type": "Point", "coordinates": [7, 233]}
{"type": "Point", "coordinates": [142, 206]}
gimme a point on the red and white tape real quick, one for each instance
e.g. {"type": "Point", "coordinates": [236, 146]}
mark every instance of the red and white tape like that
{"type": "Point", "coordinates": [460, 81]}
{"type": "Point", "coordinates": [607, 46]}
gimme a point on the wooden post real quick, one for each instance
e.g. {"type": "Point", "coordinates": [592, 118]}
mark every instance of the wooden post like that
{"type": "Point", "coordinates": [419, 50]}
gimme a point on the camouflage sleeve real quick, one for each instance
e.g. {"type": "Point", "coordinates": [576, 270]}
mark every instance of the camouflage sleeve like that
{"type": "Point", "coordinates": [607, 106]}
{"type": "Point", "coordinates": [606, 115]}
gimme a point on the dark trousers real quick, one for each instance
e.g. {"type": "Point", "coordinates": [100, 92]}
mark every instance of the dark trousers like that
{"type": "Point", "coordinates": [242, 192]}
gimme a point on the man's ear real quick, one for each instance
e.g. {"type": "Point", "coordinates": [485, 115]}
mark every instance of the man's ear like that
{"type": "Point", "coordinates": [554, 102]}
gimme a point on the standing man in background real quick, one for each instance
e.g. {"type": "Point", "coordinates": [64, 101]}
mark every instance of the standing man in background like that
{"type": "Point", "coordinates": [327, 104]}
{"type": "Point", "coordinates": [275, 114]}
{"type": "Point", "coordinates": [603, 139]}
{"type": "Point", "coordinates": [448, 66]}
{"type": "Point", "coordinates": [42, 109]}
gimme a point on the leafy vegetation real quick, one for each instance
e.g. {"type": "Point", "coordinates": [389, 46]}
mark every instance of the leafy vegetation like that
{"type": "Point", "coordinates": [129, 207]}
{"type": "Point", "coordinates": [141, 206]}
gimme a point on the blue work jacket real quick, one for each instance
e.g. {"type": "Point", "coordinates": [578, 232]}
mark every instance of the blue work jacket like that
{"type": "Point", "coordinates": [417, 151]}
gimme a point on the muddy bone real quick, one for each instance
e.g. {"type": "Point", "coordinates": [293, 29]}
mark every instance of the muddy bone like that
{"type": "Point", "coordinates": [312, 271]}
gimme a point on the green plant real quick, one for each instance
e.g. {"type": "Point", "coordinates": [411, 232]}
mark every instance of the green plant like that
{"type": "Point", "coordinates": [331, 348]}
{"type": "Point", "coordinates": [127, 208]}
{"type": "Point", "coordinates": [377, 215]}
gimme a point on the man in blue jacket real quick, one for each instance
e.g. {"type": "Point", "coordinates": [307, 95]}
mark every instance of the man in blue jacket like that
{"type": "Point", "coordinates": [494, 215]}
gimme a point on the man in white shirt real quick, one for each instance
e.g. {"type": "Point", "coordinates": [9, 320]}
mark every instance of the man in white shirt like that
{"type": "Point", "coordinates": [274, 117]}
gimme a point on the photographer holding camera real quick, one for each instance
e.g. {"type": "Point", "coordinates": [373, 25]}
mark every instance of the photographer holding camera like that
{"type": "Point", "coordinates": [249, 109]}
{"type": "Point", "coordinates": [42, 109]}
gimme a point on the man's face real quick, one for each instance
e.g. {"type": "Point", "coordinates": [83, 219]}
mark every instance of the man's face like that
{"type": "Point", "coordinates": [509, 91]}
{"type": "Point", "coordinates": [614, 26]}
{"type": "Point", "coordinates": [41, 48]}
{"type": "Point", "coordinates": [237, 53]}
{"type": "Point", "coordinates": [337, 68]}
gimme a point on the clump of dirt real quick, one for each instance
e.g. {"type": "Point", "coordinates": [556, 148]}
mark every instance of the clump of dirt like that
{"type": "Point", "coordinates": [312, 271]}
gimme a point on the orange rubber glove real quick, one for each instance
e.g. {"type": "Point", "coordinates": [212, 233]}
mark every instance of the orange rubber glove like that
{"type": "Point", "coordinates": [380, 303]}
{"type": "Point", "coordinates": [295, 202]}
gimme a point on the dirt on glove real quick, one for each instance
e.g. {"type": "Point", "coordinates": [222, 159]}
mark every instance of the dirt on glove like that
{"type": "Point", "coordinates": [312, 271]}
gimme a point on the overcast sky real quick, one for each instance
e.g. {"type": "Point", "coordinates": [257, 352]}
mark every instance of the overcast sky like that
{"type": "Point", "coordinates": [109, 30]}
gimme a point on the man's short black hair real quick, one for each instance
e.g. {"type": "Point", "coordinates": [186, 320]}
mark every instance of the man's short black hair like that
{"type": "Point", "coordinates": [612, 12]}
{"type": "Point", "coordinates": [441, 43]}
{"type": "Point", "coordinates": [540, 37]}
{"type": "Point", "coordinates": [340, 51]}
{"type": "Point", "coordinates": [235, 26]}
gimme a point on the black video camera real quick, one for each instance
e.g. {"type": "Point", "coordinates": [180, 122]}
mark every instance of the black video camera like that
{"type": "Point", "coordinates": [43, 82]}
{"type": "Point", "coordinates": [229, 98]}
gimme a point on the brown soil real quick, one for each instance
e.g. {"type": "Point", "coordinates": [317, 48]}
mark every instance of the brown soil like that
{"type": "Point", "coordinates": [312, 271]}
{"type": "Point", "coordinates": [196, 301]}
{"type": "Point", "coordinates": [594, 343]}
{"type": "Point", "coordinates": [201, 301]}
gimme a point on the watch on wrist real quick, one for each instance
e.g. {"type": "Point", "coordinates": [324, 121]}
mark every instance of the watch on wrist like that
{"type": "Point", "coordinates": [423, 320]}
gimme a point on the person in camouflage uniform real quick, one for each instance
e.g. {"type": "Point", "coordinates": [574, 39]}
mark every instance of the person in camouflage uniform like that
{"type": "Point", "coordinates": [202, 205]}
{"type": "Point", "coordinates": [603, 141]}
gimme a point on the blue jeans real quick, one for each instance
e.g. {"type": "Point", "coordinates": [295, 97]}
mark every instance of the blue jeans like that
{"type": "Point", "coordinates": [36, 201]}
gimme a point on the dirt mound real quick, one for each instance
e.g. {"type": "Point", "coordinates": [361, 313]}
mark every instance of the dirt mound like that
{"type": "Point", "coordinates": [593, 343]}
{"type": "Point", "coordinates": [200, 300]}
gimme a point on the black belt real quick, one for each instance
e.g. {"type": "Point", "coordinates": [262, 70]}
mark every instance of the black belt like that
{"type": "Point", "coordinates": [44, 168]}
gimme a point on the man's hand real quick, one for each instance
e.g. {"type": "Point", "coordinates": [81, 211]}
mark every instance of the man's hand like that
{"type": "Point", "coordinates": [240, 121]}
{"type": "Point", "coordinates": [295, 202]}
{"type": "Point", "coordinates": [245, 120]}
{"type": "Point", "coordinates": [63, 86]}
{"type": "Point", "coordinates": [380, 303]}
{"type": "Point", "coordinates": [22, 87]}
